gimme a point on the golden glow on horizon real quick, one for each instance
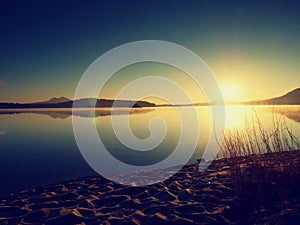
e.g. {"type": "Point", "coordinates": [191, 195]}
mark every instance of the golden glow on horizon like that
{"type": "Point", "coordinates": [231, 92]}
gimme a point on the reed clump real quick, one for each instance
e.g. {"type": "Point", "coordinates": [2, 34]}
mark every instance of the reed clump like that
{"type": "Point", "coordinates": [260, 152]}
{"type": "Point", "coordinates": [255, 139]}
{"type": "Point", "coordinates": [259, 146]}
{"type": "Point", "coordinates": [265, 165]}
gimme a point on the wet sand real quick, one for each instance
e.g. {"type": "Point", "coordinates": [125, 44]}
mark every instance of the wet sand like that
{"type": "Point", "coordinates": [213, 196]}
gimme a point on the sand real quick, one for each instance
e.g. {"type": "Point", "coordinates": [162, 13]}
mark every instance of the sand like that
{"type": "Point", "coordinates": [212, 196]}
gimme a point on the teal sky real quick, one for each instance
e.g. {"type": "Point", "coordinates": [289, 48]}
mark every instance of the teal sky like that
{"type": "Point", "coordinates": [47, 45]}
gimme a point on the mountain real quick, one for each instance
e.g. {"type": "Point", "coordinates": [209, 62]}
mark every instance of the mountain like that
{"type": "Point", "coordinates": [108, 103]}
{"type": "Point", "coordinates": [63, 102]}
{"type": "Point", "coordinates": [55, 100]}
{"type": "Point", "coordinates": [290, 98]}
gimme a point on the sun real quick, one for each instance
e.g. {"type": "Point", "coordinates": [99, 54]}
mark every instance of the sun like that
{"type": "Point", "coordinates": [231, 92]}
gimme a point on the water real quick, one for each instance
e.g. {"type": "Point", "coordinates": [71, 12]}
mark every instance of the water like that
{"type": "Point", "coordinates": [38, 146]}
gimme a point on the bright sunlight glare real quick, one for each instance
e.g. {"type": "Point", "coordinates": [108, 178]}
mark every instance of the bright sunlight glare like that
{"type": "Point", "coordinates": [231, 92]}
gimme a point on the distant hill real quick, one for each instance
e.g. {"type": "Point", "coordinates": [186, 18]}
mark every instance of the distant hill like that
{"type": "Point", "coordinates": [290, 98]}
{"type": "Point", "coordinates": [91, 102]}
{"type": "Point", "coordinates": [55, 100]}
{"type": "Point", "coordinates": [63, 102]}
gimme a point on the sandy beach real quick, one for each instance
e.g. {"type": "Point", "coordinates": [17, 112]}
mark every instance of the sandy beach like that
{"type": "Point", "coordinates": [213, 196]}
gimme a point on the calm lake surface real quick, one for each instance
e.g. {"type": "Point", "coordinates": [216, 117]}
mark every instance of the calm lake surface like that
{"type": "Point", "coordinates": [38, 146]}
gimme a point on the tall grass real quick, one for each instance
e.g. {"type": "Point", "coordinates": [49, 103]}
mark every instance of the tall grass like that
{"type": "Point", "coordinates": [260, 149]}
{"type": "Point", "coordinates": [256, 139]}
{"type": "Point", "coordinates": [265, 166]}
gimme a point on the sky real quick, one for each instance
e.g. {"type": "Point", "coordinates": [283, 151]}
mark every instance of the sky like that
{"type": "Point", "coordinates": [252, 47]}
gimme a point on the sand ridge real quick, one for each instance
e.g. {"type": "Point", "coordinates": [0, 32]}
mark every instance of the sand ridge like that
{"type": "Point", "coordinates": [189, 197]}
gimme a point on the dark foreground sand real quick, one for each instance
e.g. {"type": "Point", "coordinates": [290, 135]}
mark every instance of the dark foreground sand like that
{"type": "Point", "coordinates": [215, 196]}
